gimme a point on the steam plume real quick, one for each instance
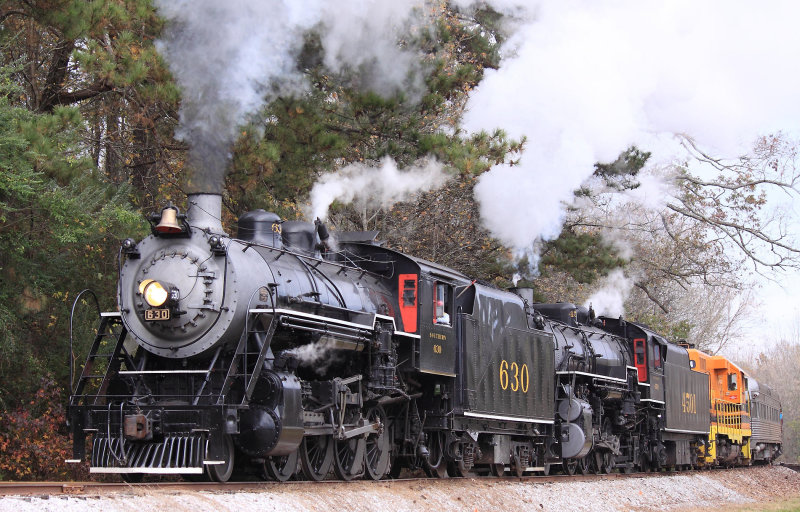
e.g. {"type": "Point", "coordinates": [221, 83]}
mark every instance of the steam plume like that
{"type": "Point", "coordinates": [319, 355]}
{"type": "Point", "coordinates": [381, 187]}
{"type": "Point", "coordinates": [609, 299]}
{"type": "Point", "coordinates": [585, 80]}
{"type": "Point", "coordinates": [232, 57]}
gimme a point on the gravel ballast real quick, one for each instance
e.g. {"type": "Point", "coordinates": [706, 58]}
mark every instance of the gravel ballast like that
{"type": "Point", "coordinates": [694, 490]}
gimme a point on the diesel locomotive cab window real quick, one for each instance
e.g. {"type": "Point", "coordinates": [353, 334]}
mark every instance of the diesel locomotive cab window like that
{"type": "Point", "coordinates": [442, 298]}
{"type": "Point", "coordinates": [732, 382]}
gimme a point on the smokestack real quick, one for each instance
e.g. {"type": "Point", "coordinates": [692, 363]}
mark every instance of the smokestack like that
{"type": "Point", "coordinates": [525, 292]}
{"type": "Point", "coordinates": [205, 212]}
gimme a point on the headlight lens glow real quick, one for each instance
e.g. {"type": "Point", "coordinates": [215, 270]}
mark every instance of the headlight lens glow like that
{"type": "Point", "coordinates": [144, 284]}
{"type": "Point", "coordinates": [155, 294]}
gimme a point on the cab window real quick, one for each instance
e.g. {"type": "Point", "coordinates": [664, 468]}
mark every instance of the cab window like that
{"type": "Point", "coordinates": [732, 382]}
{"type": "Point", "coordinates": [442, 302]}
{"type": "Point", "coordinates": [656, 355]}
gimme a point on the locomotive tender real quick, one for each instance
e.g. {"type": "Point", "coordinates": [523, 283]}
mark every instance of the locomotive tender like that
{"type": "Point", "coordinates": [280, 351]}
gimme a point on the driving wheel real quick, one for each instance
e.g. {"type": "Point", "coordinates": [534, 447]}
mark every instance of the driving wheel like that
{"type": "Point", "coordinates": [316, 457]}
{"type": "Point", "coordinates": [281, 468]}
{"type": "Point", "coordinates": [348, 457]}
{"type": "Point", "coordinates": [379, 446]}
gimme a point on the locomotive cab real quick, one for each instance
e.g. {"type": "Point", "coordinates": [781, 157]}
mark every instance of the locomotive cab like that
{"type": "Point", "coordinates": [648, 353]}
{"type": "Point", "coordinates": [438, 317]}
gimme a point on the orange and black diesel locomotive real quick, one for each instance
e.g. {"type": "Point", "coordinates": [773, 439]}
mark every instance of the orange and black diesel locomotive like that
{"type": "Point", "coordinates": [279, 352]}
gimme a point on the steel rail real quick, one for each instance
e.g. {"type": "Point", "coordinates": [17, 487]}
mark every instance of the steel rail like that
{"type": "Point", "coordinates": [83, 488]}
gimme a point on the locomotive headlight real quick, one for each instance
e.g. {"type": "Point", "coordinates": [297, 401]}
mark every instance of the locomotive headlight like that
{"type": "Point", "coordinates": [155, 294]}
{"type": "Point", "coordinates": [144, 284]}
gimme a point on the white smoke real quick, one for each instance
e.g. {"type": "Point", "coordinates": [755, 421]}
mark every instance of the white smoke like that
{"type": "Point", "coordinates": [231, 57]}
{"type": "Point", "coordinates": [588, 79]}
{"type": "Point", "coordinates": [656, 188]}
{"type": "Point", "coordinates": [609, 299]}
{"type": "Point", "coordinates": [373, 187]}
{"type": "Point", "coordinates": [363, 35]}
{"type": "Point", "coordinates": [319, 355]}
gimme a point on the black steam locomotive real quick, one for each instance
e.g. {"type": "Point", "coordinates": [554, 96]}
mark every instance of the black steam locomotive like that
{"type": "Point", "coordinates": [280, 351]}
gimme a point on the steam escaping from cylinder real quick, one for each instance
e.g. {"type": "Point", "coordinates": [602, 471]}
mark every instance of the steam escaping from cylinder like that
{"type": "Point", "coordinates": [319, 355]}
{"type": "Point", "coordinates": [231, 58]}
{"type": "Point", "coordinates": [373, 187]}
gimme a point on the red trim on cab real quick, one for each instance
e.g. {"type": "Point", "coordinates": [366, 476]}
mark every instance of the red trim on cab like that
{"type": "Point", "coordinates": [640, 358]}
{"type": "Point", "coordinates": [407, 284]}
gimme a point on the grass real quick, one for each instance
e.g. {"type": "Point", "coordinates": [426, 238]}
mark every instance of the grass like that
{"type": "Point", "coordinates": [790, 505]}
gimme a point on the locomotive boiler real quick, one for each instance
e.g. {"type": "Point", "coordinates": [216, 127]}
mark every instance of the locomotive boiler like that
{"type": "Point", "coordinates": [185, 292]}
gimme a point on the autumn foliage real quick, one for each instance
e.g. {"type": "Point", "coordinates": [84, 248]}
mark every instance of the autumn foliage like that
{"type": "Point", "coordinates": [33, 438]}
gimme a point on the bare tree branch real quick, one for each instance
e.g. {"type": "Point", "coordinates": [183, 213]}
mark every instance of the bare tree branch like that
{"type": "Point", "coordinates": [651, 297]}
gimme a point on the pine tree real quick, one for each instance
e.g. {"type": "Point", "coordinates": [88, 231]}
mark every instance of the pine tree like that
{"type": "Point", "coordinates": [58, 224]}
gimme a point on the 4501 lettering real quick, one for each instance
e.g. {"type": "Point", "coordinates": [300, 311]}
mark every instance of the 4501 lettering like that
{"type": "Point", "coordinates": [514, 376]}
{"type": "Point", "coordinates": [689, 402]}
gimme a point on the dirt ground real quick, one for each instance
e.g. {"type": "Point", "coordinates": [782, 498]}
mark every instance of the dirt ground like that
{"type": "Point", "coordinates": [740, 489]}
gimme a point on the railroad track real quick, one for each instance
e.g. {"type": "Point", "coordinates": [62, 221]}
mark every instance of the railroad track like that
{"type": "Point", "coordinates": [95, 488]}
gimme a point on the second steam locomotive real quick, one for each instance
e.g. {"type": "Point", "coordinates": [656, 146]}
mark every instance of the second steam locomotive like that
{"type": "Point", "coordinates": [279, 352]}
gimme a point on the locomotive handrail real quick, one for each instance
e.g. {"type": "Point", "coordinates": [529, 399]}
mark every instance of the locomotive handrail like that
{"type": "Point", "coordinates": [728, 414]}
{"type": "Point", "coordinates": [252, 379]}
{"type": "Point", "coordinates": [208, 376]}
{"type": "Point", "coordinates": [87, 291]}
{"type": "Point", "coordinates": [249, 383]}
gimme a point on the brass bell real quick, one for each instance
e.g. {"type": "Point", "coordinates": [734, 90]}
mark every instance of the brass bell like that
{"type": "Point", "coordinates": [169, 221]}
